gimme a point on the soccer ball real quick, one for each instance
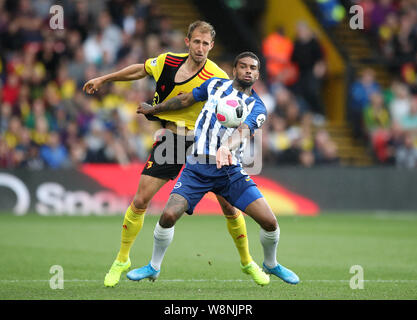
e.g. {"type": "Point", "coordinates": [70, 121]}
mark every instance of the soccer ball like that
{"type": "Point", "coordinates": [231, 112]}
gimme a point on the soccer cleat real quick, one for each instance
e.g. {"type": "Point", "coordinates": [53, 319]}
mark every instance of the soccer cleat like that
{"type": "Point", "coordinates": [143, 273]}
{"type": "Point", "coordinates": [256, 273]}
{"type": "Point", "coordinates": [113, 276]}
{"type": "Point", "coordinates": [283, 273]}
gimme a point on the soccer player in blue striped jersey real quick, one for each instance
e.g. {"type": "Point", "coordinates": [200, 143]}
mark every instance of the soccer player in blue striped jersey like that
{"type": "Point", "coordinates": [215, 165]}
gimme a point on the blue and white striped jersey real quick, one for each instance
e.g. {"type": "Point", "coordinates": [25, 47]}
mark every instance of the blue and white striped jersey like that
{"type": "Point", "coordinates": [209, 134]}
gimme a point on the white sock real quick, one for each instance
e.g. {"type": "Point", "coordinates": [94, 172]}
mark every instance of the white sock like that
{"type": "Point", "coordinates": [162, 239]}
{"type": "Point", "coordinates": [269, 241]}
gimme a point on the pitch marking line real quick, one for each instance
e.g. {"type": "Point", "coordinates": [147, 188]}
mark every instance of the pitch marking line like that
{"type": "Point", "coordinates": [213, 280]}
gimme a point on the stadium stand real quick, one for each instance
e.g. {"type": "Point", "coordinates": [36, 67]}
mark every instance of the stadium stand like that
{"type": "Point", "coordinates": [382, 58]}
{"type": "Point", "coordinates": [47, 121]}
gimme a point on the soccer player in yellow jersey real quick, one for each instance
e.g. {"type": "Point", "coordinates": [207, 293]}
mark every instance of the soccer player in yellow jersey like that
{"type": "Point", "coordinates": [174, 74]}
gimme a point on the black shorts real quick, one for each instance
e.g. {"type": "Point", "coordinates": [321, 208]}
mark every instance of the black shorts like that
{"type": "Point", "coordinates": [167, 157]}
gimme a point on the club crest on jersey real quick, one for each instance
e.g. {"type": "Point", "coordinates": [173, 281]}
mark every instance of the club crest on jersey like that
{"type": "Point", "coordinates": [155, 99]}
{"type": "Point", "coordinates": [260, 119]}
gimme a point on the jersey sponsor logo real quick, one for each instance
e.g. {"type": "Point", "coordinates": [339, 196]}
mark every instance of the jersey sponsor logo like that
{"type": "Point", "coordinates": [177, 185]}
{"type": "Point", "coordinates": [149, 164]}
{"type": "Point", "coordinates": [260, 119]}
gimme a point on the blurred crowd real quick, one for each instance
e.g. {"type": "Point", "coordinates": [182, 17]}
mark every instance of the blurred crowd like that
{"type": "Point", "coordinates": [46, 118]}
{"type": "Point", "coordinates": [387, 117]}
{"type": "Point", "coordinates": [47, 121]}
{"type": "Point", "coordinates": [295, 133]}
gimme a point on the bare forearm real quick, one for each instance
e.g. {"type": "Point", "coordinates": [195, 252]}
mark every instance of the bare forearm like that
{"type": "Point", "coordinates": [179, 102]}
{"type": "Point", "coordinates": [130, 73]}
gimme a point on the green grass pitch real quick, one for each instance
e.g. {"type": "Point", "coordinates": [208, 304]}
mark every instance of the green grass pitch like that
{"type": "Point", "coordinates": [202, 262]}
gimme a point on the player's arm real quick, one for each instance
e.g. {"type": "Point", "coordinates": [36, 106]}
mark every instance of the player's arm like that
{"type": "Point", "coordinates": [224, 155]}
{"type": "Point", "coordinates": [179, 102]}
{"type": "Point", "coordinates": [130, 73]}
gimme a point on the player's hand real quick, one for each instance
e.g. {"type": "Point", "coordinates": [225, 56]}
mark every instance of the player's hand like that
{"type": "Point", "coordinates": [144, 108]}
{"type": "Point", "coordinates": [93, 85]}
{"type": "Point", "coordinates": [223, 157]}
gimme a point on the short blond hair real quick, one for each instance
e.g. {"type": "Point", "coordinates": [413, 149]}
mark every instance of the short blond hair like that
{"type": "Point", "coordinates": [203, 26]}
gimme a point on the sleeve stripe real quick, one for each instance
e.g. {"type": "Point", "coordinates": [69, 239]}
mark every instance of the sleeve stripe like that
{"type": "Point", "coordinates": [167, 59]}
{"type": "Point", "coordinates": [170, 64]}
{"type": "Point", "coordinates": [175, 59]}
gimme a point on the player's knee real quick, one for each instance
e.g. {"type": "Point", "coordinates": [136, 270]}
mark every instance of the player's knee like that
{"type": "Point", "coordinates": [140, 202]}
{"type": "Point", "coordinates": [270, 224]}
{"type": "Point", "coordinates": [168, 218]}
{"type": "Point", "coordinates": [228, 209]}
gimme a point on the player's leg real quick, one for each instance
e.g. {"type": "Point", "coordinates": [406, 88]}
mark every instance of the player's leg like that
{"type": "Point", "coordinates": [135, 214]}
{"type": "Point", "coordinates": [164, 230]}
{"type": "Point", "coordinates": [155, 174]}
{"type": "Point", "coordinates": [188, 191]}
{"type": "Point", "coordinates": [163, 235]}
{"type": "Point", "coordinates": [230, 192]}
{"type": "Point", "coordinates": [261, 212]}
{"type": "Point", "coordinates": [132, 224]}
{"type": "Point", "coordinates": [236, 226]}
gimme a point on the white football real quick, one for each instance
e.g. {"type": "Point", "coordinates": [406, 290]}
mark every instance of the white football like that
{"type": "Point", "coordinates": [231, 112]}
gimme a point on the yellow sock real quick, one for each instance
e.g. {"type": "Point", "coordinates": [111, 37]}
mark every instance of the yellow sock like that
{"type": "Point", "coordinates": [237, 229]}
{"type": "Point", "coordinates": [132, 224]}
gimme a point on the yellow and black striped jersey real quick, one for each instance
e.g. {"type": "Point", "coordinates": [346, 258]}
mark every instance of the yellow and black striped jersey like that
{"type": "Point", "coordinates": [163, 70]}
